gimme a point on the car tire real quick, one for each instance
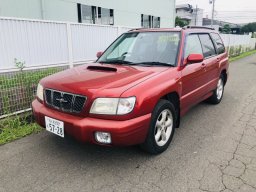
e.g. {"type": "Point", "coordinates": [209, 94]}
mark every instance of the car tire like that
{"type": "Point", "coordinates": [161, 128]}
{"type": "Point", "coordinates": [218, 92]}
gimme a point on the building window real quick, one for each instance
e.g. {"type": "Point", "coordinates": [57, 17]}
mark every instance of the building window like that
{"type": "Point", "coordinates": [149, 21]}
{"type": "Point", "coordinates": [111, 17]}
{"type": "Point", "coordinates": [145, 21]}
{"type": "Point", "coordinates": [95, 15]}
{"type": "Point", "coordinates": [98, 20]}
{"type": "Point", "coordinates": [156, 22]}
{"type": "Point", "coordinates": [106, 16]}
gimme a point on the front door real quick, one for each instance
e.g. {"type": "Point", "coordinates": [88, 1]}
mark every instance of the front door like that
{"type": "Point", "coordinates": [193, 75]}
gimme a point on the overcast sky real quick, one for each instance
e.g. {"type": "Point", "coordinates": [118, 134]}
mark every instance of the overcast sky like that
{"type": "Point", "coordinates": [235, 11]}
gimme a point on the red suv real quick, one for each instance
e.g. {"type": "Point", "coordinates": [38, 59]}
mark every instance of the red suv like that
{"type": "Point", "coordinates": [137, 90]}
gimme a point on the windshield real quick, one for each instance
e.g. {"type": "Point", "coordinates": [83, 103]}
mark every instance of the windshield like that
{"type": "Point", "coordinates": [151, 48]}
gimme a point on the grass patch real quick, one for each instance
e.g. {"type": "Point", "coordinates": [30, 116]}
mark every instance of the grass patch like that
{"type": "Point", "coordinates": [242, 55]}
{"type": "Point", "coordinates": [26, 78]}
{"type": "Point", "coordinates": [17, 127]}
{"type": "Point", "coordinates": [17, 89]}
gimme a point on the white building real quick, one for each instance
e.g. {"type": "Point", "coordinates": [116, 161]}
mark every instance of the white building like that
{"type": "Point", "coordinates": [133, 13]}
{"type": "Point", "coordinates": [194, 16]}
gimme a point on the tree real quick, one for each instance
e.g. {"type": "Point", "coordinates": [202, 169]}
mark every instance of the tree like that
{"type": "Point", "coordinates": [249, 28]}
{"type": "Point", "coordinates": [226, 29]}
{"type": "Point", "coordinates": [180, 22]}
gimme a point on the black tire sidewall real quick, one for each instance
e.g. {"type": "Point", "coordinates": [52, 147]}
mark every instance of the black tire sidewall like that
{"type": "Point", "coordinates": [215, 92]}
{"type": "Point", "coordinates": [214, 98]}
{"type": "Point", "coordinates": [150, 144]}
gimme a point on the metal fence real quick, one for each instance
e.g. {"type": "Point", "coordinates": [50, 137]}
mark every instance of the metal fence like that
{"type": "Point", "coordinates": [237, 44]}
{"type": "Point", "coordinates": [47, 43]}
{"type": "Point", "coordinates": [17, 89]}
{"type": "Point", "coordinates": [33, 49]}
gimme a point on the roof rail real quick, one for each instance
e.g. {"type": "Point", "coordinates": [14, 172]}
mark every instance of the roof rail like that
{"type": "Point", "coordinates": [137, 29]}
{"type": "Point", "coordinates": [198, 27]}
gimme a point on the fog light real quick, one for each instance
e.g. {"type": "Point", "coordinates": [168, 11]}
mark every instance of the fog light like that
{"type": "Point", "coordinates": [103, 137]}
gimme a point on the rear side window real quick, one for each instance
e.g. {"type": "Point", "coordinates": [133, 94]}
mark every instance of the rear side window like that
{"type": "Point", "coordinates": [207, 45]}
{"type": "Point", "coordinates": [193, 45]}
{"type": "Point", "coordinates": [218, 43]}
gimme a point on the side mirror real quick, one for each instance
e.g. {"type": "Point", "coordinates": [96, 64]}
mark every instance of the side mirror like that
{"type": "Point", "coordinates": [194, 58]}
{"type": "Point", "coordinates": [98, 55]}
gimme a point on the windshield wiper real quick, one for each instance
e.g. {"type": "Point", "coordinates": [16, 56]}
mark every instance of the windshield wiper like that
{"type": "Point", "coordinates": [148, 64]}
{"type": "Point", "coordinates": [116, 62]}
{"type": "Point", "coordinates": [155, 63]}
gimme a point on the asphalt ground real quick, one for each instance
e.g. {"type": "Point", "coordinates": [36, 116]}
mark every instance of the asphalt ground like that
{"type": "Point", "coordinates": [213, 150]}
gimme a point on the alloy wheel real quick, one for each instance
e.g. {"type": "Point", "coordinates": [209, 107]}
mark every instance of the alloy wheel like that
{"type": "Point", "coordinates": [220, 88]}
{"type": "Point", "coordinates": [163, 127]}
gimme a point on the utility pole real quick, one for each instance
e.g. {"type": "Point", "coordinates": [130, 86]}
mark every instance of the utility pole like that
{"type": "Point", "coordinates": [196, 17]}
{"type": "Point", "coordinates": [213, 10]}
{"type": "Point", "coordinates": [42, 6]}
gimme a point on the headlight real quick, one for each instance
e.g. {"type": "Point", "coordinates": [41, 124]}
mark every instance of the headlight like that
{"type": "Point", "coordinates": [40, 92]}
{"type": "Point", "coordinates": [105, 106]}
{"type": "Point", "coordinates": [113, 106]}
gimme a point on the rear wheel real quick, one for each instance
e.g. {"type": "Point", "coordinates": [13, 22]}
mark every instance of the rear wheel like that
{"type": "Point", "coordinates": [161, 129]}
{"type": "Point", "coordinates": [218, 92]}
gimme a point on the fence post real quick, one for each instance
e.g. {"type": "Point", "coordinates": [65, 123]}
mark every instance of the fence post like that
{"type": "Point", "coordinates": [119, 31]}
{"type": "Point", "coordinates": [70, 46]}
{"type": "Point", "coordinates": [229, 44]}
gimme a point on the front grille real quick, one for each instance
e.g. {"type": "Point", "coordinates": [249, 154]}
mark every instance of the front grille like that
{"type": "Point", "coordinates": [63, 101]}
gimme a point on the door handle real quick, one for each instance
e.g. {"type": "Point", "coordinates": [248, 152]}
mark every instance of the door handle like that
{"type": "Point", "coordinates": [203, 66]}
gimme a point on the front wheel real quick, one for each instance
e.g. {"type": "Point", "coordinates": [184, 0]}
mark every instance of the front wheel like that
{"type": "Point", "coordinates": [161, 129]}
{"type": "Point", "coordinates": [218, 92]}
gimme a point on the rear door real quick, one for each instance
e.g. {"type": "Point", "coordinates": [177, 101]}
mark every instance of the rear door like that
{"type": "Point", "coordinates": [193, 75]}
{"type": "Point", "coordinates": [211, 62]}
{"type": "Point", "coordinates": [222, 54]}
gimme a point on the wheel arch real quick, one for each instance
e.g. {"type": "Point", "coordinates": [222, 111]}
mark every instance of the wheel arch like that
{"type": "Point", "coordinates": [224, 73]}
{"type": "Point", "coordinates": [174, 98]}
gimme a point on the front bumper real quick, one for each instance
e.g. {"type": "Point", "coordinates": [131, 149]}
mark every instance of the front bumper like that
{"type": "Point", "coordinates": [124, 133]}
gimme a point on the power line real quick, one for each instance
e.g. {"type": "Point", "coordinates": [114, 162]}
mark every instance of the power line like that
{"type": "Point", "coordinates": [232, 13]}
{"type": "Point", "coordinates": [184, 1]}
{"type": "Point", "coordinates": [234, 16]}
{"type": "Point", "coordinates": [221, 15]}
{"type": "Point", "coordinates": [240, 11]}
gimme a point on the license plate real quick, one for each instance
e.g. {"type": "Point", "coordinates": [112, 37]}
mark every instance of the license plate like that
{"type": "Point", "coordinates": [54, 126]}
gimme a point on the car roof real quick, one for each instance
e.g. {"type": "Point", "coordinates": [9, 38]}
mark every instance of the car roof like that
{"type": "Point", "coordinates": [155, 29]}
{"type": "Point", "coordinates": [199, 29]}
{"type": "Point", "coordinates": [188, 29]}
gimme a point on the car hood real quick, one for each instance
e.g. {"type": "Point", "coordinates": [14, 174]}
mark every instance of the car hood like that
{"type": "Point", "coordinates": [110, 80]}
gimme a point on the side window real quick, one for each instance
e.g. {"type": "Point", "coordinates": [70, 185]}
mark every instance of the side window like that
{"type": "Point", "coordinates": [208, 47]}
{"type": "Point", "coordinates": [193, 45]}
{"type": "Point", "coordinates": [218, 43]}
